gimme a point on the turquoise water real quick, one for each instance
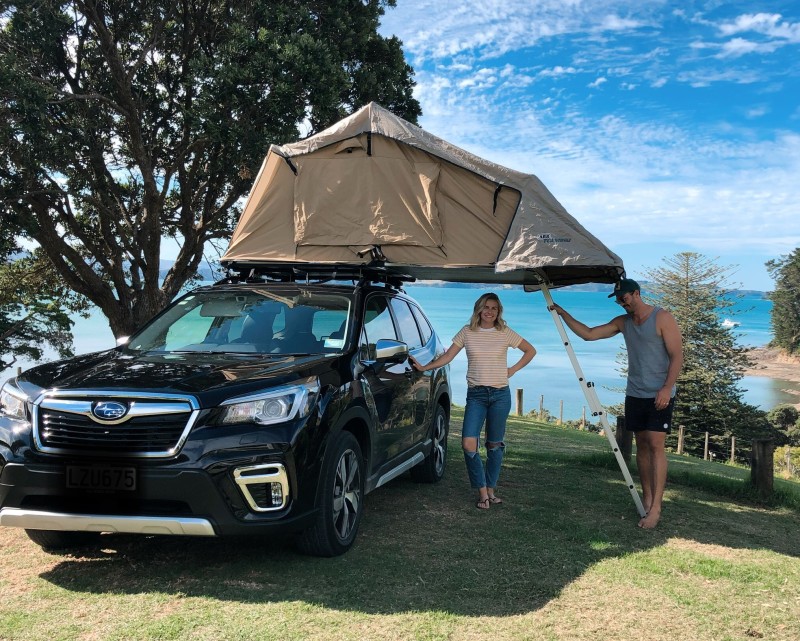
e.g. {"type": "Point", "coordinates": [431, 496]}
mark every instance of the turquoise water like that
{"type": "Point", "coordinates": [550, 375]}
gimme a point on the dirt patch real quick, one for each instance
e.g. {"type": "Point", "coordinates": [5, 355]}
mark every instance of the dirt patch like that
{"type": "Point", "coordinates": [774, 363]}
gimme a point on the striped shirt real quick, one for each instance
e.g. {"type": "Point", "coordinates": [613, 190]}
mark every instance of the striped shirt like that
{"type": "Point", "coordinates": [487, 351]}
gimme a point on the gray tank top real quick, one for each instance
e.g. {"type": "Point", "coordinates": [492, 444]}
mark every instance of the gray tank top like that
{"type": "Point", "coordinates": [648, 360]}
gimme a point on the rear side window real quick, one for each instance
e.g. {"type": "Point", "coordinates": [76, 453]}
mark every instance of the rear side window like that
{"type": "Point", "coordinates": [405, 321]}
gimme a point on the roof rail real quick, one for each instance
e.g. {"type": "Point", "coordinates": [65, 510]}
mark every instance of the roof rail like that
{"type": "Point", "coordinates": [313, 272]}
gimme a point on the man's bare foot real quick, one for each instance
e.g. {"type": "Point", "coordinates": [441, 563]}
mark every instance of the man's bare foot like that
{"type": "Point", "coordinates": [649, 521]}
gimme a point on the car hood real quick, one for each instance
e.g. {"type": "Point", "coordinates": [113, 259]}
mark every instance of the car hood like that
{"type": "Point", "coordinates": [209, 377]}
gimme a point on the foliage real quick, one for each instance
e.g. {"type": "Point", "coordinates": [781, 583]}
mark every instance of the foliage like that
{"type": "Point", "coordinates": [786, 461]}
{"type": "Point", "coordinates": [127, 123]}
{"type": "Point", "coordinates": [793, 433]}
{"type": "Point", "coordinates": [783, 416]}
{"type": "Point", "coordinates": [34, 311]}
{"type": "Point", "coordinates": [695, 289]}
{"type": "Point", "coordinates": [785, 313]}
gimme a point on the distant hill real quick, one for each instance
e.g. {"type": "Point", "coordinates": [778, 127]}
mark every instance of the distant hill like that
{"type": "Point", "coordinates": [208, 274]}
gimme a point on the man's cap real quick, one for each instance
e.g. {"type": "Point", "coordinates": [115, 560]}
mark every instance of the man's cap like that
{"type": "Point", "coordinates": [625, 286]}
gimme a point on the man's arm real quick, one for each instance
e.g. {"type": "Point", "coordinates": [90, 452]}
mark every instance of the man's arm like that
{"type": "Point", "coordinates": [667, 326]}
{"type": "Point", "coordinates": [607, 330]}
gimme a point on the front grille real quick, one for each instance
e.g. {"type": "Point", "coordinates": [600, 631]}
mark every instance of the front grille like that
{"type": "Point", "coordinates": [142, 434]}
{"type": "Point", "coordinates": [143, 425]}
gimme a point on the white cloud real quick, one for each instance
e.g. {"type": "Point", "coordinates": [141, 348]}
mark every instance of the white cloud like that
{"type": "Point", "coordinates": [615, 23]}
{"type": "Point", "coordinates": [767, 24]}
{"type": "Point", "coordinates": [515, 82]}
{"type": "Point", "coordinates": [740, 47]}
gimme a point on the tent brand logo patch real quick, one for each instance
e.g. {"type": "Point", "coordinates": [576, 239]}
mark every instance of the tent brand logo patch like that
{"type": "Point", "coordinates": [551, 238]}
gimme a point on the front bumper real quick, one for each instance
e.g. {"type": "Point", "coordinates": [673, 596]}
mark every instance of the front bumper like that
{"type": "Point", "coordinates": [234, 498]}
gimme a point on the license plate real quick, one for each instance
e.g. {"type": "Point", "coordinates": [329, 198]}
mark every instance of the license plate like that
{"type": "Point", "coordinates": [100, 477]}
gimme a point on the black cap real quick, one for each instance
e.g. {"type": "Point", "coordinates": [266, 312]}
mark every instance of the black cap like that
{"type": "Point", "coordinates": [625, 286]}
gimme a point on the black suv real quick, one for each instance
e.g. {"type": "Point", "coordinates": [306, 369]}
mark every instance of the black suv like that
{"type": "Point", "coordinates": [264, 404]}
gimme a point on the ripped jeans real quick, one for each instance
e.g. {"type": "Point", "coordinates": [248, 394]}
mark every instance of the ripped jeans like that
{"type": "Point", "coordinates": [490, 405]}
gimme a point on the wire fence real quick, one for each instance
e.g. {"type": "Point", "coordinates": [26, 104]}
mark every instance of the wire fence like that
{"type": "Point", "coordinates": [685, 441]}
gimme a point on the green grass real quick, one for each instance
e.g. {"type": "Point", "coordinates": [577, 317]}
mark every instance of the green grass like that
{"type": "Point", "coordinates": [561, 559]}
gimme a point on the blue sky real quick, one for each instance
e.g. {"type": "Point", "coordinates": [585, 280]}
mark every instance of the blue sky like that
{"type": "Point", "coordinates": [661, 126]}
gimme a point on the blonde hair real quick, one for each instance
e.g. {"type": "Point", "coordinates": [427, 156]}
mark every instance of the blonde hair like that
{"type": "Point", "coordinates": [475, 319]}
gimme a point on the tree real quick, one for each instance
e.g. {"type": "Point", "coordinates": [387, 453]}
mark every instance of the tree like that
{"type": "Point", "coordinates": [126, 123]}
{"type": "Point", "coordinates": [785, 313]}
{"type": "Point", "coordinates": [783, 416]}
{"type": "Point", "coordinates": [696, 291]}
{"type": "Point", "coordinates": [35, 311]}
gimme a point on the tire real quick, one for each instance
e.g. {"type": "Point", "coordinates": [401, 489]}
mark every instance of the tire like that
{"type": "Point", "coordinates": [431, 470]}
{"type": "Point", "coordinates": [54, 540]}
{"type": "Point", "coordinates": [342, 498]}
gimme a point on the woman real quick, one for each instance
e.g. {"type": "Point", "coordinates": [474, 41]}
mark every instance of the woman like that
{"type": "Point", "coordinates": [487, 339]}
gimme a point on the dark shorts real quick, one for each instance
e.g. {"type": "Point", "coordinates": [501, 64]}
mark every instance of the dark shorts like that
{"type": "Point", "coordinates": [641, 414]}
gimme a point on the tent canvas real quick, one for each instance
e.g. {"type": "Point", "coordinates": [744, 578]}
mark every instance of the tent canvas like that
{"type": "Point", "coordinates": [435, 211]}
{"type": "Point", "coordinates": [375, 190]}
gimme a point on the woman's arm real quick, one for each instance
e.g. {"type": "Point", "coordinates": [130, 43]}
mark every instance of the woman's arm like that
{"type": "Point", "coordinates": [444, 359]}
{"type": "Point", "coordinates": [528, 352]}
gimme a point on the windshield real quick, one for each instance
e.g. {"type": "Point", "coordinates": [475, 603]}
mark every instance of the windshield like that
{"type": "Point", "coordinates": [289, 320]}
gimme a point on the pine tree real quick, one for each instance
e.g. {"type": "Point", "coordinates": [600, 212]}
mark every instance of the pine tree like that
{"type": "Point", "coordinates": [696, 290]}
{"type": "Point", "coordinates": [785, 314]}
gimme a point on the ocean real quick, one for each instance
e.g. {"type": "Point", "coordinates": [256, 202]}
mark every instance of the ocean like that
{"type": "Point", "coordinates": [550, 377]}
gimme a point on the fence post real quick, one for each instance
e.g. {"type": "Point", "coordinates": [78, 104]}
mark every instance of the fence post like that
{"type": "Point", "coordinates": [733, 450]}
{"type": "Point", "coordinates": [789, 470]}
{"type": "Point", "coordinates": [705, 449]}
{"type": "Point", "coordinates": [519, 401]}
{"type": "Point", "coordinates": [762, 466]}
{"type": "Point", "coordinates": [583, 419]}
{"type": "Point", "coordinates": [541, 407]}
{"type": "Point", "coordinates": [680, 438]}
{"type": "Point", "coordinates": [561, 412]}
{"type": "Point", "coordinates": [624, 439]}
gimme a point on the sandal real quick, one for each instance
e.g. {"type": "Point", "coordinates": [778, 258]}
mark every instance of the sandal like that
{"type": "Point", "coordinates": [483, 504]}
{"type": "Point", "coordinates": [495, 500]}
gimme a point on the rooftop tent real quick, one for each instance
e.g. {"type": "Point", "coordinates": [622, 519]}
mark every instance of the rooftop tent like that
{"type": "Point", "coordinates": [375, 190]}
{"type": "Point", "coordinates": [376, 182]}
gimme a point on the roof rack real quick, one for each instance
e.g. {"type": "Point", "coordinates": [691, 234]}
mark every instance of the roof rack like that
{"type": "Point", "coordinates": [313, 272]}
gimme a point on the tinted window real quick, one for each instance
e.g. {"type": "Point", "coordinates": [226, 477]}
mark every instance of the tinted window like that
{"type": "Point", "coordinates": [405, 321]}
{"type": "Point", "coordinates": [377, 324]}
{"type": "Point", "coordinates": [424, 326]}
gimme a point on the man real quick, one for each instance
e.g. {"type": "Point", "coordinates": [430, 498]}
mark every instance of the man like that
{"type": "Point", "coordinates": [655, 358]}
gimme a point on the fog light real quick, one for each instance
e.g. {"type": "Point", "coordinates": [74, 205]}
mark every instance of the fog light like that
{"type": "Point", "coordinates": [277, 494]}
{"type": "Point", "coordinates": [265, 487]}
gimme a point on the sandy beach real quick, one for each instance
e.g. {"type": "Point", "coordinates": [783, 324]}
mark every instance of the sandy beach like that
{"type": "Point", "coordinates": [773, 363]}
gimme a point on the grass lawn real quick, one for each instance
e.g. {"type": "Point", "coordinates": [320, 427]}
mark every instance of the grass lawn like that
{"type": "Point", "coordinates": [562, 558]}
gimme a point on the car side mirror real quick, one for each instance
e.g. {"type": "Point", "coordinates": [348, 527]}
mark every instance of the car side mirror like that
{"type": "Point", "coordinates": [390, 351]}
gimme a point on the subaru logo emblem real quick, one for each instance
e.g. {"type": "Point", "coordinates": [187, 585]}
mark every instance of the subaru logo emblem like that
{"type": "Point", "coordinates": [109, 410]}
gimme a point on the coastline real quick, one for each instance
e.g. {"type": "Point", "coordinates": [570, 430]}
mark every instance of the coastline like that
{"type": "Point", "coordinates": [773, 363]}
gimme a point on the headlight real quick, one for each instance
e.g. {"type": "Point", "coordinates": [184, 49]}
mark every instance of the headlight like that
{"type": "Point", "coordinates": [273, 406]}
{"type": "Point", "coordinates": [12, 402]}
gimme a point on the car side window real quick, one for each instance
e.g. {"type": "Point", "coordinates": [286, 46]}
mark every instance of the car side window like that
{"type": "Point", "coordinates": [422, 322]}
{"type": "Point", "coordinates": [406, 323]}
{"type": "Point", "coordinates": [377, 324]}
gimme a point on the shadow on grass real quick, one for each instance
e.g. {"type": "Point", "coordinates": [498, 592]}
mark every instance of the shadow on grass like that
{"type": "Point", "coordinates": [427, 548]}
